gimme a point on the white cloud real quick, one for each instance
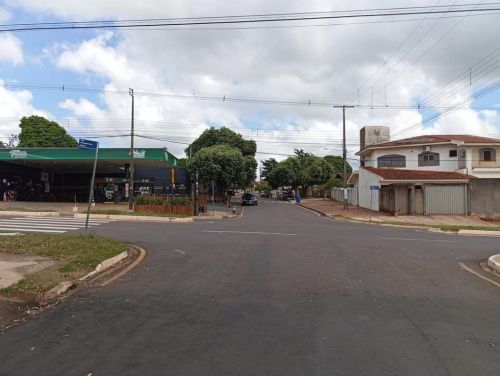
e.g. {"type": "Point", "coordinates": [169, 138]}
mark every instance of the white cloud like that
{"type": "Point", "coordinates": [11, 49]}
{"type": "Point", "coordinates": [4, 15]}
{"type": "Point", "coordinates": [317, 63]}
{"type": "Point", "coordinates": [13, 106]}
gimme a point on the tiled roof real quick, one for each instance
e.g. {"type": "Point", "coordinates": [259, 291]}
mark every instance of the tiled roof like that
{"type": "Point", "coordinates": [433, 139]}
{"type": "Point", "coordinates": [403, 174]}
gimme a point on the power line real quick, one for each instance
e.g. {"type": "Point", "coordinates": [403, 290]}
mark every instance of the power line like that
{"type": "Point", "coordinates": [227, 98]}
{"type": "Point", "coordinates": [252, 19]}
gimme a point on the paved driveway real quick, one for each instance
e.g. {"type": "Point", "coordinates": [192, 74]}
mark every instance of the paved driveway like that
{"type": "Point", "coordinates": [280, 291]}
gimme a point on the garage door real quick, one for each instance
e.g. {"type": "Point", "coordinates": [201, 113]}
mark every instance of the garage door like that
{"type": "Point", "coordinates": [446, 199]}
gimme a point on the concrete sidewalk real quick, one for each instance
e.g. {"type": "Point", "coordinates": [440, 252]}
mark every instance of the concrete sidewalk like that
{"type": "Point", "coordinates": [333, 208]}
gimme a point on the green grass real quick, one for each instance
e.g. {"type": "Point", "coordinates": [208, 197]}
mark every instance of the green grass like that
{"type": "Point", "coordinates": [74, 256]}
{"type": "Point", "coordinates": [451, 228]}
{"type": "Point", "coordinates": [21, 209]}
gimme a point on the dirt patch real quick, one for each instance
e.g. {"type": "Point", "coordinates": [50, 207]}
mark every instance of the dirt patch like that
{"type": "Point", "coordinates": [17, 307]}
{"type": "Point", "coordinates": [13, 268]}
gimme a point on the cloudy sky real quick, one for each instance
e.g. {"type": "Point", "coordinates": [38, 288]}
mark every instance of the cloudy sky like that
{"type": "Point", "coordinates": [416, 60]}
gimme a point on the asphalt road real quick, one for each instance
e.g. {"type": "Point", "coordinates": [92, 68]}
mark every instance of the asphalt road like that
{"type": "Point", "coordinates": [301, 295]}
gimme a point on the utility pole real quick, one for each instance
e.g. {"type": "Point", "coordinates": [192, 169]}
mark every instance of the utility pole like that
{"type": "Point", "coordinates": [131, 167]}
{"type": "Point", "coordinates": [344, 154]}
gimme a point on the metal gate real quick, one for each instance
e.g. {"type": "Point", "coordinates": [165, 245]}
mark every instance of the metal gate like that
{"type": "Point", "coordinates": [446, 199]}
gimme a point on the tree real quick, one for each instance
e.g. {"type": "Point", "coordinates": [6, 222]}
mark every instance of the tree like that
{"type": "Point", "coordinates": [214, 136]}
{"type": "Point", "coordinates": [337, 163]}
{"type": "Point", "coordinates": [225, 165]}
{"type": "Point", "coordinates": [316, 171]}
{"type": "Point", "coordinates": [11, 143]}
{"type": "Point", "coordinates": [36, 131]}
{"type": "Point", "coordinates": [285, 174]}
{"type": "Point", "coordinates": [267, 166]}
{"type": "Point", "coordinates": [263, 186]}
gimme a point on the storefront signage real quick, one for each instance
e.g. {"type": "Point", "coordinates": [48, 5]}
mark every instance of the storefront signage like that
{"type": "Point", "coordinates": [18, 154]}
{"type": "Point", "coordinates": [139, 154]}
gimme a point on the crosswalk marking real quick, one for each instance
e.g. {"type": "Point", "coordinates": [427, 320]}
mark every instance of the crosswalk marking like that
{"type": "Point", "coordinates": [21, 230]}
{"type": "Point", "coordinates": [46, 224]}
{"type": "Point", "coordinates": [62, 219]}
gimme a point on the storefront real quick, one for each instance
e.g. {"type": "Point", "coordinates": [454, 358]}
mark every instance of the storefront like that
{"type": "Point", "coordinates": [63, 174]}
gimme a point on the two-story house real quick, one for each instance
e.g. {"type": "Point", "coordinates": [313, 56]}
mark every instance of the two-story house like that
{"type": "Point", "coordinates": [431, 174]}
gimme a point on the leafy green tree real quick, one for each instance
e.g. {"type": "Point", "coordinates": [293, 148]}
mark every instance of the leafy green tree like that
{"type": "Point", "coordinates": [316, 171]}
{"type": "Point", "coordinates": [267, 166]}
{"type": "Point", "coordinates": [225, 165]}
{"type": "Point", "coordinates": [263, 186]}
{"type": "Point", "coordinates": [217, 136]}
{"type": "Point", "coordinates": [333, 182]}
{"type": "Point", "coordinates": [285, 174]}
{"type": "Point", "coordinates": [36, 131]}
{"type": "Point", "coordinates": [337, 163]}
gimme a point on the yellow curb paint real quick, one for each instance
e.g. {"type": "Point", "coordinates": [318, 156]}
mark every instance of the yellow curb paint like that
{"type": "Point", "coordinates": [139, 259]}
{"type": "Point", "coordinates": [466, 268]}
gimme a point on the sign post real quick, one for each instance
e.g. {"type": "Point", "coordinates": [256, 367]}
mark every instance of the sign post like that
{"type": "Point", "coordinates": [372, 189]}
{"type": "Point", "coordinates": [90, 145]}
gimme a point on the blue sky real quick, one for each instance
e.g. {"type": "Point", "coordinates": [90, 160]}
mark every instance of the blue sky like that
{"type": "Point", "coordinates": [324, 63]}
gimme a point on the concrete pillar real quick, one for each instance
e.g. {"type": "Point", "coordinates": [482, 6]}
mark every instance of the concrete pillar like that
{"type": "Point", "coordinates": [413, 199]}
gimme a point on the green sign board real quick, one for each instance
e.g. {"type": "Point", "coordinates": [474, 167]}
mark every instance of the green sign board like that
{"type": "Point", "coordinates": [75, 154]}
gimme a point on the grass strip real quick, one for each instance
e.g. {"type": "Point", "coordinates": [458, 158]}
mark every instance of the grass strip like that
{"type": "Point", "coordinates": [74, 256]}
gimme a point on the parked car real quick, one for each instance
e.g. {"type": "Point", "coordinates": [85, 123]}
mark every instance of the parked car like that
{"type": "Point", "coordinates": [266, 194]}
{"type": "Point", "coordinates": [249, 199]}
{"type": "Point", "coordinates": [284, 195]}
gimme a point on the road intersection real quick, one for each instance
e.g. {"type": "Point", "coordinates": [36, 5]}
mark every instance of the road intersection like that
{"type": "Point", "coordinates": [279, 291]}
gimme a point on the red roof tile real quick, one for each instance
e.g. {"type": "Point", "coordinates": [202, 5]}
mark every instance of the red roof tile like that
{"type": "Point", "coordinates": [403, 174]}
{"type": "Point", "coordinates": [433, 139]}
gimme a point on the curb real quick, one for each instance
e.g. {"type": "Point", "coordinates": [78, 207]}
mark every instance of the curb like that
{"type": "Point", "coordinates": [60, 289]}
{"type": "Point", "coordinates": [28, 213]}
{"type": "Point", "coordinates": [64, 286]}
{"type": "Point", "coordinates": [494, 263]}
{"type": "Point", "coordinates": [134, 218]}
{"type": "Point", "coordinates": [479, 233]}
{"type": "Point", "coordinates": [323, 214]}
{"type": "Point", "coordinates": [106, 264]}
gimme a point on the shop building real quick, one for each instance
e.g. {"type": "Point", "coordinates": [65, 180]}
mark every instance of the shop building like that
{"type": "Point", "coordinates": [63, 174]}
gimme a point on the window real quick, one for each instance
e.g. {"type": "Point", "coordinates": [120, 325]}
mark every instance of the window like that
{"type": "Point", "coordinates": [453, 153]}
{"type": "Point", "coordinates": [487, 155]}
{"type": "Point", "coordinates": [428, 159]}
{"type": "Point", "coordinates": [392, 160]}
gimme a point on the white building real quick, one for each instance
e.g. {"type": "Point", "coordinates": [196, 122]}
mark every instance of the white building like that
{"type": "Point", "coordinates": [433, 174]}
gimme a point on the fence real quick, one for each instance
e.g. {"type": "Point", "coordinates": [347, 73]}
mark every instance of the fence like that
{"type": "Point", "coordinates": [337, 194]}
{"type": "Point", "coordinates": [166, 208]}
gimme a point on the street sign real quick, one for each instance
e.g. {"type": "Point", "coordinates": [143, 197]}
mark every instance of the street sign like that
{"type": "Point", "coordinates": [374, 187]}
{"type": "Point", "coordinates": [87, 144]}
{"type": "Point", "coordinates": [90, 145]}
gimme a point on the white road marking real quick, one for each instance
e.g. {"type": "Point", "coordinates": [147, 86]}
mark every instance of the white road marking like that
{"type": "Point", "coordinates": [9, 233]}
{"type": "Point", "coordinates": [62, 219]}
{"type": "Point", "coordinates": [36, 224]}
{"type": "Point", "coordinates": [41, 226]}
{"type": "Point", "coordinates": [33, 230]}
{"type": "Point", "coordinates": [249, 232]}
{"type": "Point", "coordinates": [423, 240]}
{"type": "Point", "coordinates": [45, 224]}
{"type": "Point", "coordinates": [179, 251]}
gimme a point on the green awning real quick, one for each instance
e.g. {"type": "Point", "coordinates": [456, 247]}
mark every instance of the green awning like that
{"type": "Point", "coordinates": [76, 154]}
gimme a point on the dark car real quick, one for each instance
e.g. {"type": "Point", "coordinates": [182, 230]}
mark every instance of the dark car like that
{"type": "Point", "coordinates": [248, 199]}
{"type": "Point", "coordinates": [266, 194]}
{"type": "Point", "coordinates": [284, 195]}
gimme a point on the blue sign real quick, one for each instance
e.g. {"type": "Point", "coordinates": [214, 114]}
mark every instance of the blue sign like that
{"type": "Point", "coordinates": [374, 187]}
{"type": "Point", "coordinates": [87, 144]}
